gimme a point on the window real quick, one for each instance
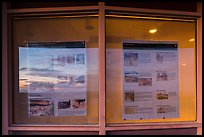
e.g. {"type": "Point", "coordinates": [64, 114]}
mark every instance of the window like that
{"type": "Point", "coordinates": [123, 28]}
{"type": "Point", "coordinates": [41, 40]}
{"type": "Point", "coordinates": [64, 70]}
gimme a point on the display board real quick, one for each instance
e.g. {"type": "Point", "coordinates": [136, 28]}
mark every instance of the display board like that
{"type": "Point", "coordinates": [150, 80]}
{"type": "Point", "coordinates": [54, 76]}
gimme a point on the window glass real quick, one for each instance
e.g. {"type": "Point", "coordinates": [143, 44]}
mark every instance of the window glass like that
{"type": "Point", "coordinates": [120, 29]}
{"type": "Point", "coordinates": [55, 70]}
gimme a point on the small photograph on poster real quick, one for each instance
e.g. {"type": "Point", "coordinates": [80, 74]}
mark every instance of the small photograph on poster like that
{"type": "Point", "coordinates": [130, 59]}
{"type": "Point", "coordinates": [70, 107]}
{"type": "Point", "coordinates": [131, 77]}
{"type": "Point", "coordinates": [78, 104]}
{"type": "Point", "coordinates": [162, 75]}
{"type": "Point", "coordinates": [62, 79]}
{"type": "Point", "coordinates": [166, 109]}
{"type": "Point", "coordinates": [145, 81]}
{"type": "Point", "coordinates": [41, 107]}
{"type": "Point", "coordinates": [159, 58]}
{"type": "Point", "coordinates": [65, 80]}
{"type": "Point", "coordinates": [71, 80]}
{"type": "Point", "coordinates": [70, 59]}
{"type": "Point", "coordinates": [64, 104]}
{"type": "Point", "coordinates": [129, 96]}
{"type": "Point", "coordinates": [80, 80]}
{"type": "Point", "coordinates": [161, 94]}
{"type": "Point", "coordinates": [80, 58]}
{"type": "Point", "coordinates": [60, 60]}
{"type": "Point", "coordinates": [160, 110]}
{"type": "Point", "coordinates": [129, 110]}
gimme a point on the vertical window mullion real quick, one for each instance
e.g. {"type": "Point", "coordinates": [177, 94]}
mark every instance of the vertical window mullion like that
{"type": "Point", "coordinates": [199, 68]}
{"type": "Point", "coordinates": [101, 68]}
{"type": "Point", "coordinates": [4, 70]}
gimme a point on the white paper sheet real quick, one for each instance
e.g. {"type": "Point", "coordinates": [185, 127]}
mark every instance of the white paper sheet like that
{"type": "Point", "coordinates": [150, 81]}
{"type": "Point", "coordinates": [55, 80]}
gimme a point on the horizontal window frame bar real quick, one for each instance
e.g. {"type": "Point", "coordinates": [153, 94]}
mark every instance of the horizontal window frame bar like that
{"type": "Point", "coordinates": [154, 12]}
{"type": "Point", "coordinates": [117, 127]}
{"type": "Point", "coordinates": [51, 9]}
{"type": "Point", "coordinates": [111, 127]}
{"type": "Point", "coordinates": [54, 128]}
{"type": "Point", "coordinates": [114, 9]}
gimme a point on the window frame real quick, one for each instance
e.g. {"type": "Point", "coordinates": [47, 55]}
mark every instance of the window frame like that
{"type": "Point", "coordinates": [101, 128]}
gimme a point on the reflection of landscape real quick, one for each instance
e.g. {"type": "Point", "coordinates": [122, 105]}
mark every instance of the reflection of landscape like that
{"type": "Point", "coordinates": [23, 85]}
{"type": "Point", "coordinates": [41, 107]}
{"type": "Point", "coordinates": [51, 69]}
{"type": "Point", "coordinates": [41, 86]}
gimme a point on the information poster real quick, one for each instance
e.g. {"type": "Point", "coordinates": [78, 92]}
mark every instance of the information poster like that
{"type": "Point", "coordinates": [150, 80]}
{"type": "Point", "coordinates": [54, 76]}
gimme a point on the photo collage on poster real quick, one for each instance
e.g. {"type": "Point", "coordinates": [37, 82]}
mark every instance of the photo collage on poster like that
{"type": "Point", "coordinates": [54, 75]}
{"type": "Point", "coordinates": [150, 80]}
